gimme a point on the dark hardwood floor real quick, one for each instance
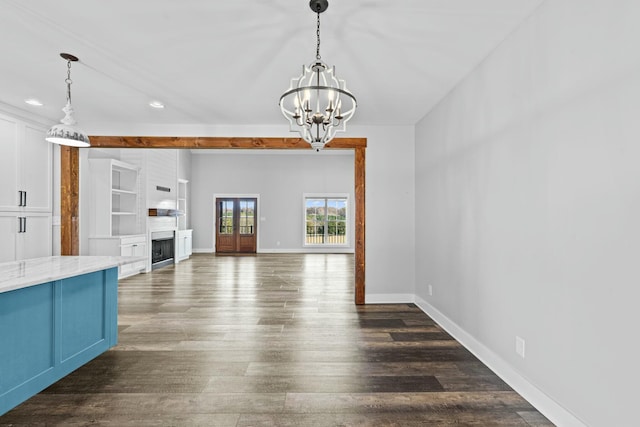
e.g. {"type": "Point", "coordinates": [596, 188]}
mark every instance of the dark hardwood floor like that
{"type": "Point", "coordinates": [273, 340]}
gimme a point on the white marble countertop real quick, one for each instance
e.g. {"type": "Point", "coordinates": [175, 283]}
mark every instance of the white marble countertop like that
{"type": "Point", "coordinates": [21, 274]}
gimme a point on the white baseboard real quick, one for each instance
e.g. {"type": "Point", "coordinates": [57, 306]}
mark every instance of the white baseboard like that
{"type": "Point", "coordinates": [305, 251]}
{"type": "Point", "coordinates": [388, 298]}
{"type": "Point", "coordinates": [279, 251]}
{"type": "Point", "coordinates": [543, 403]}
{"type": "Point", "coordinates": [202, 250]}
{"type": "Point", "coordinates": [285, 251]}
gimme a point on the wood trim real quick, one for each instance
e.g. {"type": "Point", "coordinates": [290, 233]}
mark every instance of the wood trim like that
{"type": "Point", "coordinates": [69, 200]}
{"type": "Point", "coordinates": [70, 180]}
{"type": "Point", "coordinates": [359, 169]}
{"type": "Point", "coordinates": [216, 142]}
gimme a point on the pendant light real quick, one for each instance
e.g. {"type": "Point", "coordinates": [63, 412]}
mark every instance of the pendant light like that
{"type": "Point", "coordinates": [66, 133]}
{"type": "Point", "coordinates": [317, 103]}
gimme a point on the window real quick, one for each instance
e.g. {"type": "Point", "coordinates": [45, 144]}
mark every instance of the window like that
{"type": "Point", "coordinates": [325, 220]}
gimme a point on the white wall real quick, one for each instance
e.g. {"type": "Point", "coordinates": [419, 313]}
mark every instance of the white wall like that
{"type": "Point", "coordinates": [390, 214]}
{"type": "Point", "coordinates": [528, 199]}
{"type": "Point", "coordinates": [280, 181]}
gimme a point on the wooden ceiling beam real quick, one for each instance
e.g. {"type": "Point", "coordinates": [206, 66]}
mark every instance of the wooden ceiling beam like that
{"type": "Point", "coordinates": [196, 142]}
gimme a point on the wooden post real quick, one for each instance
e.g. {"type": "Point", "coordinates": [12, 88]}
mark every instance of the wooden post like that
{"type": "Point", "coordinates": [359, 168]}
{"type": "Point", "coordinates": [69, 200]}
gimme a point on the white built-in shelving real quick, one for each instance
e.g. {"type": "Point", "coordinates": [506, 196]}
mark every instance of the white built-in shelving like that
{"type": "Point", "coordinates": [115, 205]}
{"type": "Point", "coordinates": [183, 235]}
{"type": "Point", "coordinates": [117, 222]}
{"type": "Point", "coordinates": [182, 203]}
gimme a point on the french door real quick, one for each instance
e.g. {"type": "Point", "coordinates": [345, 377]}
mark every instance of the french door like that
{"type": "Point", "coordinates": [236, 225]}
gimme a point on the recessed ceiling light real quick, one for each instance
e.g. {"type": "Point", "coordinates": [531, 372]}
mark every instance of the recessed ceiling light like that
{"type": "Point", "coordinates": [156, 104]}
{"type": "Point", "coordinates": [34, 102]}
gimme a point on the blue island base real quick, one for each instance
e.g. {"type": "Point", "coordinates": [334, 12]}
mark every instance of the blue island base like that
{"type": "Point", "coordinates": [51, 329]}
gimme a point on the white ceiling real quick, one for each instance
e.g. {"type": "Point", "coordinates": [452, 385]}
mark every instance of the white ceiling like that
{"type": "Point", "coordinates": [227, 62]}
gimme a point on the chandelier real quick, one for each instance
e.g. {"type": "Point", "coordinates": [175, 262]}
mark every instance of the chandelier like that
{"type": "Point", "coordinates": [317, 103]}
{"type": "Point", "coordinates": [65, 132]}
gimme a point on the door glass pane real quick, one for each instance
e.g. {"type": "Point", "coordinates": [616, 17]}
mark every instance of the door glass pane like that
{"type": "Point", "coordinates": [247, 216]}
{"type": "Point", "coordinates": [225, 208]}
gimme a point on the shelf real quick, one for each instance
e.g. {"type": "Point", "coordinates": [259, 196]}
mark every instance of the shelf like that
{"type": "Point", "coordinates": [164, 212]}
{"type": "Point", "coordinates": [117, 191]}
{"type": "Point", "coordinates": [115, 208]}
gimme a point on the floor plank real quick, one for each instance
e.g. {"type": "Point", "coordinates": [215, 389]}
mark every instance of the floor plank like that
{"type": "Point", "coordinates": [273, 340]}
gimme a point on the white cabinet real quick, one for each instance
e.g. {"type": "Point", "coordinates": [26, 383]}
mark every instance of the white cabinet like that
{"type": "Point", "coordinates": [26, 192]}
{"type": "Point", "coordinates": [183, 244]}
{"type": "Point", "coordinates": [25, 167]}
{"type": "Point", "coordinates": [9, 228]}
{"type": "Point", "coordinates": [115, 209]}
{"type": "Point", "coordinates": [24, 236]}
{"type": "Point", "coordinates": [132, 245]}
{"type": "Point", "coordinates": [117, 225]}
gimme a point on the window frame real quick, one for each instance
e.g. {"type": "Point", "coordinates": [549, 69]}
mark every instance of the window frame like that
{"type": "Point", "coordinates": [326, 197]}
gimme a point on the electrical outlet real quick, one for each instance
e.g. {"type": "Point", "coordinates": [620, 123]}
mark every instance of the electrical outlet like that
{"type": "Point", "coordinates": [520, 346]}
{"type": "Point", "coordinates": [430, 290]}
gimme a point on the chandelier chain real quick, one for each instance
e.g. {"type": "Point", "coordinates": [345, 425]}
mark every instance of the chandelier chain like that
{"type": "Point", "coordinates": [68, 81]}
{"type": "Point", "coordinates": [318, 39]}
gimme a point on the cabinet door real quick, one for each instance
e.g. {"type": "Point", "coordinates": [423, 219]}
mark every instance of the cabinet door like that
{"type": "Point", "coordinates": [9, 199]}
{"type": "Point", "coordinates": [35, 241]}
{"type": "Point", "coordinates": [133, 249]}
{"type": "Point", "coordinates": [188, 245]}
{"type": "Point", "coordinates": [35, 170]}
{"type": "Point", "coordinates": [126, 250]}
{"type": "Point", "coordinates": [181, 246]}
{"type": "Point", "coordinates": [140, 249]}
{"type": "Point", "coordinates": [8, 233]}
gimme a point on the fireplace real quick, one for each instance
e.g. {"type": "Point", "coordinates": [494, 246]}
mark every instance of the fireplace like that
{"type": "Point", "coordinates": [162, 245]}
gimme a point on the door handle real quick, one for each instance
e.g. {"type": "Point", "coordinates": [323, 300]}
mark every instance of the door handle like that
{"type": "Point", "coordinates": [25, 202]}
{"type": "Point", "coordinates": [21, 197]}
{"type": "Point", "coordinates": [22, 224]}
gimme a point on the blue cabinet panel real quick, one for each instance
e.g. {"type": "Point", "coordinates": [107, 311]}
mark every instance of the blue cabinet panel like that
{"type": "Point", "coordinates": [82, 314]}
{"type": "Point", "coordinates": [26, 328]}
{"type": "Point", "coordinates": [51, 329]}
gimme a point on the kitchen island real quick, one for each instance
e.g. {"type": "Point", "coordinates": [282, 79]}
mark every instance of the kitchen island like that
{"type": "Point", "coordinates": [56, 314]}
